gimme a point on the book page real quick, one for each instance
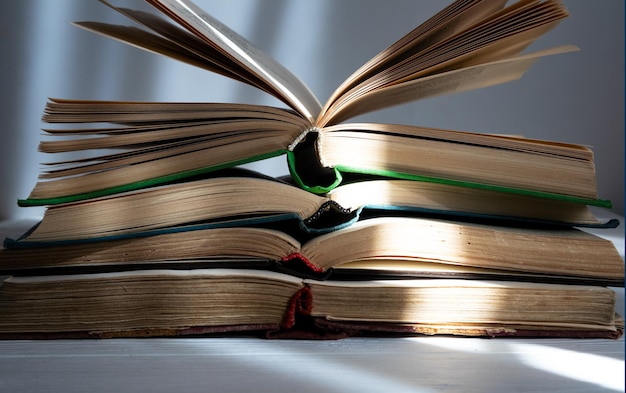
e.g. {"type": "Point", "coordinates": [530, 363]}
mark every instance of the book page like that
{"type": "Point", "coordinates": [212, 199]}
{"type": "Point", "coordinates": [448, 22]}
{"type": "Point", "coordinates": [173, 41]}
{"type": "Point", "coordinates": [455, 81]}
{"type": "Point", "coordinates": [423, 240]}
{"type": "Point", "coordinates": [499, 36]}
{"type": "Point", "coordinates": [153, 43]}
{"type": "Point", "coordinates": [286, 85]}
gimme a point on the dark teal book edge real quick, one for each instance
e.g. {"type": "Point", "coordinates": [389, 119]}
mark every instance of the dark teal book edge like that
{"type": "Point", "coordinates": [479, 218]}
{"type": "Point", "coordinates": [23, 242]}
{"type": "Point", "coordinates": [302, 229]}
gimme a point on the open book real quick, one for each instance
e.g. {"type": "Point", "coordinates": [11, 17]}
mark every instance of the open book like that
{"type": "Point", "coordinates": [243, 197]}
{"type": "Point", "coordinates": [193, 302]}
{"type": "Point", "coordinates": [390, 247]}
{"type": "Point", "coordinates": [469, 44]}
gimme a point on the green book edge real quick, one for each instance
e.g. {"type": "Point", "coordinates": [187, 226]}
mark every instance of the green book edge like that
{"type": "Point", "coordinates": [404, 176]}
{"type": "Point", "coordinates": [317, 189]}
{"type": "Point", "coordinates": [511, 190]}
{"type": "Point", "coordinates": [30, 202]}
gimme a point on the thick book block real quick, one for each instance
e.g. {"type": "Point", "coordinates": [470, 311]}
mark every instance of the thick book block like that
{"type": "Point", "coordinates": [197, 302]}
{"type": "Point", "coordinates": [391, 247]}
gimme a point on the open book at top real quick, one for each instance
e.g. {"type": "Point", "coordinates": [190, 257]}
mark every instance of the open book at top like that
{"type": "Point", "coordinates": [469, 44]}
{"type": "Point", "coordinates": [463, 35]}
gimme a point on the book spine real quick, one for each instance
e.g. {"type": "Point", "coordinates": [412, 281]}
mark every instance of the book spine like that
{"type": "Point", "coordinates": [301, 304]}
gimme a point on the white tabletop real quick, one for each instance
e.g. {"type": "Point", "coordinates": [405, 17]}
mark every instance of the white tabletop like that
{"type": "Point", "coordinates": [419, 364]}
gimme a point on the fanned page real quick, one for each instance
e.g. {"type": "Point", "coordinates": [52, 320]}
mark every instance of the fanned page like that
{"type": "Point", "coordinates": [451, 46]}
{"type": "Point", "coordinates": [454, 81]}
{"type": "Point", "coordinates": [171, 41]}
{"type": "Point", "coordinates": [442, 25]}
{"type": "Point", "coordinates": [243, 52]}
{"type": "Point", "coordinates": [454, 50]}
{"type": "Point", "coordinates": [159, 142]}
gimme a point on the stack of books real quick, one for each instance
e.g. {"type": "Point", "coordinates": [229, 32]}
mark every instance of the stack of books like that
{"type": "Point", "coordinates": [154, 229]}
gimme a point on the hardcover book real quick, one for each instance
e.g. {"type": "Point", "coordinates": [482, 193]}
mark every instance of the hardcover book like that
{"type": "Point", "coordinates": [216, 301]}
{"type": "Point", "coordinates": [469, 44]}
{"type": "Point", "coordinates": [378, 247]}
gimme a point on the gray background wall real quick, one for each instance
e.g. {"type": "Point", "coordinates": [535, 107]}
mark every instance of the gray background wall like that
{"type": "Point", "coordinates": [577, 97]}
